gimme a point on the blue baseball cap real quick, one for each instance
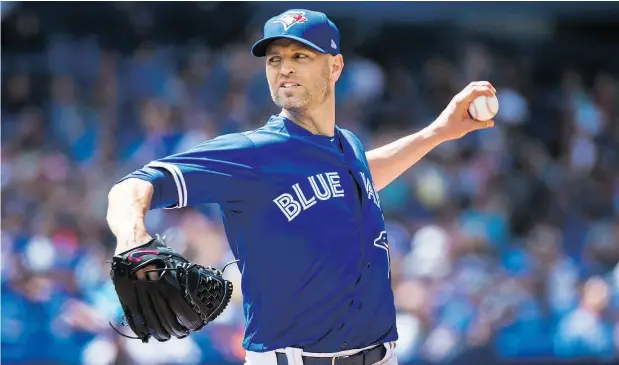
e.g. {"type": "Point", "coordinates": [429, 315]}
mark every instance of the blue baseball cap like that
{"type": "Point", "coordinates": [311, 28]}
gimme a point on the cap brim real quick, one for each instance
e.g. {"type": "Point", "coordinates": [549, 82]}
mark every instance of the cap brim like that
{"type": "Point", "coordinates": [259, 49]}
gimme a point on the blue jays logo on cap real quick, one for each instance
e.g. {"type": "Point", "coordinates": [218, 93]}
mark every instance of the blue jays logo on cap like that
{"type": "Point", "coordinates": [311, 28]}
{"type": "Point", "coordinates": [291, 18]}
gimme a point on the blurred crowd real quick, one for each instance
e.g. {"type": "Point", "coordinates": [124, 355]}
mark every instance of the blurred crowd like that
{"type": "Point", "coordinates": [504, 242]}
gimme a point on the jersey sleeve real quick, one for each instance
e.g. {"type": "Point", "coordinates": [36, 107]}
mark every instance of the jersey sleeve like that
{"type": "Point", "coordinates": [221, 170]}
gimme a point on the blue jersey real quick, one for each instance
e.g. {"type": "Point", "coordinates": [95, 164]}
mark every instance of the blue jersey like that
{"type": "Point", "coordinates": [303, 218]}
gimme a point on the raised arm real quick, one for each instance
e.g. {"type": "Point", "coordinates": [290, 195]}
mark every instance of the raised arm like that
{"type": "Point", "coordinates": [390, 161]}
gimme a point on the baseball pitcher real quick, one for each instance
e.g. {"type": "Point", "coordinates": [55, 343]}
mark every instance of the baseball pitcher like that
{"type": "Point", "coordinates": [300, 202]}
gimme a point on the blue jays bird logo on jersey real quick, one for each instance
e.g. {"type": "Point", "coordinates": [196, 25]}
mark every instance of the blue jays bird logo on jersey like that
{"type": "Point", "coordinates": [291, 18]}
{"type": "Point", "coordinates": [381, 242]}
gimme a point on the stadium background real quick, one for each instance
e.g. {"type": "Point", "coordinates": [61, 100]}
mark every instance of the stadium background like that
{"type": "Point", "coordinates": [505, 243]}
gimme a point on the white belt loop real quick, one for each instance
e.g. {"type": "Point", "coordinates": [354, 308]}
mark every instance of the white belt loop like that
{"type": "Point", "coordinates": [294, 355]}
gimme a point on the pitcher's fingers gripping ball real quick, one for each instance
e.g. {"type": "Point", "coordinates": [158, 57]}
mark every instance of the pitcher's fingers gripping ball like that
{"type": "Point", "coordinates": [182, 297]}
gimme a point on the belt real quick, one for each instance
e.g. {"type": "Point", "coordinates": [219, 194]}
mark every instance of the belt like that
{"type": "Point", "coordinates": [365, 357]}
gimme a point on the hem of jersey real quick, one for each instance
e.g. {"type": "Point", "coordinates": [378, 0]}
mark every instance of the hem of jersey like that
{"type": "Point", "coordinates": [254, 347]}
{"type": "Point", "coordinates": [179, 180]}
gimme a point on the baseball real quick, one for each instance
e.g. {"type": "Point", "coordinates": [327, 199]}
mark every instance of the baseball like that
{"type": "Point", "coordinates": [484, 108]}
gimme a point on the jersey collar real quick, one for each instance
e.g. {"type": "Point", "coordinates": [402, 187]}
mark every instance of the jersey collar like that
{"type": "Point", "coordinates": [295, 129]}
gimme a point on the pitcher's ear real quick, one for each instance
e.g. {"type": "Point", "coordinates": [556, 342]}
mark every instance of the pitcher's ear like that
{"type": "Point", "coordinates": [337, 65]}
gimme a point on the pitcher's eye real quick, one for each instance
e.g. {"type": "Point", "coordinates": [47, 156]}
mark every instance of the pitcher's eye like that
{"type": "Point", "coordinates": [274, 60]}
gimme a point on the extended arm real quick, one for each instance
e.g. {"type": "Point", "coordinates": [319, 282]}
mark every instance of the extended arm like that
{"type": "Point", "coordinates": [216, 171]}
{"type": "Point", "coordinates": [390, 161]}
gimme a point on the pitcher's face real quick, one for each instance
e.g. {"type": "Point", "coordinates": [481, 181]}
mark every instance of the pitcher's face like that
{"type": "Point", "coordinates": [299, 77]}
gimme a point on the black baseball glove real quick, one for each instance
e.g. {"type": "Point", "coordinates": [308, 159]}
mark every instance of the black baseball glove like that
{"type": "Point", "coordinates": [184, 297]}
